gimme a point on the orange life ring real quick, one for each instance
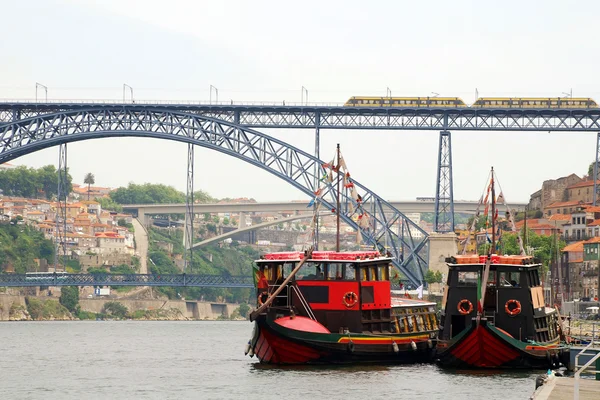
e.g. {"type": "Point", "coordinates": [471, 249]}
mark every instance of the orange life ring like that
{"type": "Point", "coordinates": [260, 300]}
{"type": "Point", "coordinates": [514, 311]}
{"type": "Point", "coordinates": [461, 307]}
{"type": "Point", "coordinates": [350, 299]}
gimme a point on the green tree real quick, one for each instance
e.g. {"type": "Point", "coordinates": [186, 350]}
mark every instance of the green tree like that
{"type": "Point", "coordinates": [89, 180]}
{"type": "Point", "coordinates": [225, 221]}
{"type": "Point", "coordinates": [69, 298]}
{"type": "Point", "coordinates": [244, 309]}
{"type": "Point", "coordinates": [212, 228]}
{"type": "Point", "coordinates": [115, 309]}
{"type": "Point", "coordinates": [147, 194]}
{"type": "Point", "coordinates": [591, 170]}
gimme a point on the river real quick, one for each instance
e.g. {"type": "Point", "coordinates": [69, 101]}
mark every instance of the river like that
{"type": "Point", "coordinates": [205, 360]}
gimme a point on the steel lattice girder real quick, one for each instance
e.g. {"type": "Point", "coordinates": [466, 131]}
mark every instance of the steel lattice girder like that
{"type": "Point", "coordinates": [587, 120]}
{"type": "Point", "coordinates": [444, 197]}
{"type": "Point", "coordinates": [389, 230]}
{"type": "Point", "coordinates": [22, 280]}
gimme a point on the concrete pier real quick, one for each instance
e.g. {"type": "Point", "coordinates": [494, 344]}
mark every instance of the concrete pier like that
{"type": "Point", "coordinates": [559, 388]}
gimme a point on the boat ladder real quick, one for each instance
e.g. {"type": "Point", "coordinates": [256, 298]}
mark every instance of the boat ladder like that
{"type": "Point", "coordinates": [490, 316]}
{"type": "Point", "coordinates": [581, 368]}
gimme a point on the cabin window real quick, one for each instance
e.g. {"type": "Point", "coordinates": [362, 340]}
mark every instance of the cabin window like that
{"type": "Point", "coordinates": [468, 278]}
{"type": "Point", "coordinates": [373, 273]}
{"type": "Point", "coordinates": [534, 279]}
{"type": "Point", "coordinates": [384, 273]}
{"type": "Point", "coordinates": [510, 279]}
{"type": "Point", "coordinates": [363, 274]}
{"type": "Point", "coordinates": [311, 271]}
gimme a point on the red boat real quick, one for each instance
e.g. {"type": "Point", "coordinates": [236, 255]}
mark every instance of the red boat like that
{"type": "Point", "coordinates": [336, 307]}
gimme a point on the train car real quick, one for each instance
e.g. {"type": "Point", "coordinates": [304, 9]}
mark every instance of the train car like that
{"type": "Point", "coordinates": [534, 102]}
{"type": "Point", "coordinates": [428, 102]}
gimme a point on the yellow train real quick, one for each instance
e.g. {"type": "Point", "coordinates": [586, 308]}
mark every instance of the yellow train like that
{"type": "Point", "coordinates": [360, 101]}
{"type": "Point", "coordinates": [483, 102]}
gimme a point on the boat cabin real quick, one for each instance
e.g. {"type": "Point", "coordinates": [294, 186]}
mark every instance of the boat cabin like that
{"type": "Point", "coordinates": [514, 299]}
{"type": "Point", "coordinates": [344, 291]}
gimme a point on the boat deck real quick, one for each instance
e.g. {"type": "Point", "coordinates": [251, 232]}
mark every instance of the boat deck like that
{"type": "Point", "coordinates": [562, 389]}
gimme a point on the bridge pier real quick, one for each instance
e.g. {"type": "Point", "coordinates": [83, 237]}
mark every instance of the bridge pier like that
{"type": "Point", "coordinates": [441, 245]}
{"type": "Point", "coordinates": [444, 192]}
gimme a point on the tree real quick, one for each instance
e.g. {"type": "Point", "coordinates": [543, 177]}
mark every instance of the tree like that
{"type": "Point", "coordinates": [244, 309]}
{"type": "Point", "coordinates": [225, 221]}
{"type": "Point", "coordinates": [115, 309]}
{"type": "Point", "coordinates": [591, 170]}
{"type": "Point", "coordinates": [69, 298]}
{"type": "Point", "coordinates": [89, 180]}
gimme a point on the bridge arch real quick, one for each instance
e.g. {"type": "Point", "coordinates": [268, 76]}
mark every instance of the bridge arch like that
{"type": "Point", "coordinates": [389, 230]}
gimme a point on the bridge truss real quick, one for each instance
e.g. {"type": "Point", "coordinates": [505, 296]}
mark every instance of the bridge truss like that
{"type": "Point", "coordinates": [22, 280]}
{"type": "Point", "coordinates": [388, 230]}
{"type": "Point", "coordinates": [337, 117]}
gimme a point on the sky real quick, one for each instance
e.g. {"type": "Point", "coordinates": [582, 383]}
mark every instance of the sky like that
{"type": "Point", "coordinates": [268, 50]}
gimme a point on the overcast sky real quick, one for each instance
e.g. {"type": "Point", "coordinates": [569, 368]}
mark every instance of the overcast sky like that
{"type": "Point", "coordinates": [268, 50]}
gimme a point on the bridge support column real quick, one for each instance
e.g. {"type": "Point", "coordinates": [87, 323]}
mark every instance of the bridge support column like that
{"type": "Point", "coordinates": [444, 194]}
{"type": "Point", "coordinates": [242, 221]}
{"type": "Point", "coordinates": [596, 187]}
{"type": "Point", "coordinates": [60, 237]}
{"type": "Point", "coordinates": [441, 245]}
{"type": "Point", "coordinates": [189, 211]}
{"type": "Point", "coordinates": [317, 155]}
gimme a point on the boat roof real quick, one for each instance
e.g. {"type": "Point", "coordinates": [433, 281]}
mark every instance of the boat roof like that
{"type": "Point", "coordinates": [505, 260]}
{"type": "Point", "coordinates": [355, 256]}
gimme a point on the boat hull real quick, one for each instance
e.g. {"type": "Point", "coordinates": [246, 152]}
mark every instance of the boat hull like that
{"type": "Point", "coordinates": [276, 344]}
{"type": "Point", "coordinates": [482, 346]}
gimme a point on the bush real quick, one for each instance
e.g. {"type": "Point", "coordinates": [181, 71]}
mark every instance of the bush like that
{"type": "Point", "coordinates": [69, 298]}
{"type": "Point", "coordinates": [115, 309]}
{"type": "Point", "coordinates": [83, 315]}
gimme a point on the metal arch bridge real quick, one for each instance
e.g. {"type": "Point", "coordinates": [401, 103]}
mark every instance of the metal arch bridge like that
{"type": "Point", "coordinates": [389, 230]}
{"type": "Point", "coordinates": [340, 117]}
{"type": "Point", "coordinates": [183, 280]}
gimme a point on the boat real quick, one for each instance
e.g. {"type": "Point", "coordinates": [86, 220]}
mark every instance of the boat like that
{"type": "Point", "coordinates": [330, 307]}
{"type": "Point", "coordinates": [494, 313]}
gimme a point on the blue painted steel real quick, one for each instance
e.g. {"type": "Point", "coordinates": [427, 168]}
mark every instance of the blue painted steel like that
{"type": "Point", "coordinates": [389, 230]}
{"type": "Point", "coordinates": [179, 280]}
{"type": "Point", "coordinates": [444, 192]}
{"type": "Point", "coordinates": [339, 117]}
{"type": "Point", "coordinates": [60, 279]}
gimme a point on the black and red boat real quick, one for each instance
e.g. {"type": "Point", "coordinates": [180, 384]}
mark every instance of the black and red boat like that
{"type": "Point", "coordinates": [336, 307]}
{"type": "Point", "coordinates": [494, 312]}
{"type": "Point", "coordinates": [514, 328]}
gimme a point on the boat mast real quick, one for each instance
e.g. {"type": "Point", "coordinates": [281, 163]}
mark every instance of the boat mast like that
{"type": "Point", "coordinates": [337, 207]}
{"type": "Point", "coordinates": [493, 248]}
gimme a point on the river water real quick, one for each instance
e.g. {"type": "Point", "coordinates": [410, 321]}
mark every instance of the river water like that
{"type": "Point", "coordinates": [205, 360]}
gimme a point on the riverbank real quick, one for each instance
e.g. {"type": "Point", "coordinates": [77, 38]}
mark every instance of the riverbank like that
{"type": "Point", "coordinates": [48, 308]}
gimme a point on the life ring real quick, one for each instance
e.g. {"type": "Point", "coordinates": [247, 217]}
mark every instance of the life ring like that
{"type": "Point", "coordinates": [260, 300]}
{"type": "Point", "coordinates": [516, 310]}
{"type": "Point", "coordinates": [350, 299]}
{"type": "Point", "coordinates": [465, 307]}
{"type": "Point", "coordinates": [350, 346]}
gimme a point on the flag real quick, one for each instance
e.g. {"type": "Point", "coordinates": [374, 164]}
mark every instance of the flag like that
{"type": "Point", "coordinates": [420, 292]}
{"type": "Point", "coordinates": [342, 163]}
{"type": "Point", "coordinates": [311, 203]}
{"type": "Point", "coordinates": [496, 216]}
{"type": "Point", "coordinates": [255, 275]}
{"type": "Point", "coordinates": [488, 238]}
{"type": "Point", "coordinates": [325, 176]}
{"type": "Point", "coordinates": [500, 198]}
